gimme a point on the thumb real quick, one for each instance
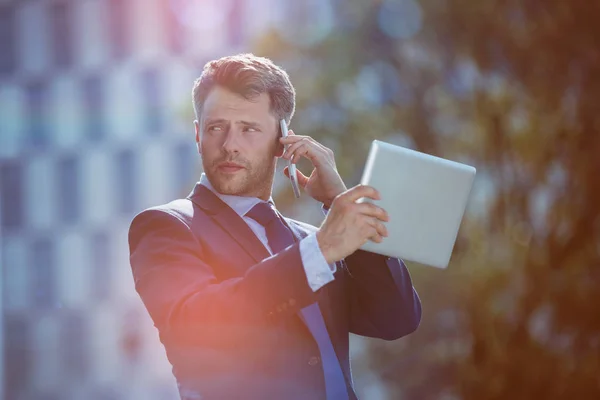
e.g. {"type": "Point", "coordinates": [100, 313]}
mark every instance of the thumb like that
{"type": "Point", "coordinates": [302, 179]}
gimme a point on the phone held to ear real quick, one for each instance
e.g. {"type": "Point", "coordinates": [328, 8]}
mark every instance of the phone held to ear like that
{"type": "Point", "coordinates": [291, 165]}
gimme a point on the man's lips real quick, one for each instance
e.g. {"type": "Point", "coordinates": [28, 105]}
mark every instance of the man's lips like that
{"type": "Point", "coordinates": [229, 167]}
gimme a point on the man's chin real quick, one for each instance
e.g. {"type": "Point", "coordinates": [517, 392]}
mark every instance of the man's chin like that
{"type": "Point", "coordinates": [231, 190]}
{"type": "Point", "coordinates": [229, 185]}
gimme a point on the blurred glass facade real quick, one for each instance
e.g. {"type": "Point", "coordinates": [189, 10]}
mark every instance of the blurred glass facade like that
{"type": "Point", "coordinates": [95, 100]}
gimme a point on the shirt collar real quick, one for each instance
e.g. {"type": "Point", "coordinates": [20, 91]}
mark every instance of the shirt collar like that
{"type": "Point", "coordinates": [240, 204]}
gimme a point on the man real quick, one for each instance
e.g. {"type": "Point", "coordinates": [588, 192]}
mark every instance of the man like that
{"type": "Point", "coordinates": [250, 304]}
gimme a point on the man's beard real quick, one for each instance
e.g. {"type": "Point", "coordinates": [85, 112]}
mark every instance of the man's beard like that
{"type": "Point", "coordinates": [247, 182]}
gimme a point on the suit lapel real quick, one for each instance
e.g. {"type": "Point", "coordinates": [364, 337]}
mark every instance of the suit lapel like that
{"type": "Point", "coordinates": [230, 221]}
{"type": "Point", "coordinates": [239, 231]}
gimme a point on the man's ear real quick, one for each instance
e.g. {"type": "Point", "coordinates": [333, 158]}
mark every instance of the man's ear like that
{"type": "Point", "coordinates": [197, 129]}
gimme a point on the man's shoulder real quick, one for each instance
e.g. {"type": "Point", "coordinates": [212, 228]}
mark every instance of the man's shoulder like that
{"type": "Point", "coordinates": [180, 209]}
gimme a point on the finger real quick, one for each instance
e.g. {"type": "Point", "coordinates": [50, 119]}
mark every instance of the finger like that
{"type": "Point", "coordinates": [377, 226]}
{"type": "Point", "coordinates": [318, 147]}
{"type": "Point", "coordinates": [382, 230]}
{"type": "Point", "coordinates": [316, 154]}
{"type": "Point", "coordinates": [302, 179]}
{"type": "Point", "coordinates": [376, 238]}
{"type": "Point", "coordinates": [308, 149]}
{"type": "Point", "coordinates": [293, 148]}
{"type": "Point", "coordinates": [289, 152]}
{"type": "Point", "coordinates": [292, 138]}
{"type": "Point", "coordinates": [301, 151]}
{"type": "Point", "coordinates": [373, 235]}
{"type": "Point", "coordinates": [372, 210]}
{"type": "Point", "coordinates": [358, 192]}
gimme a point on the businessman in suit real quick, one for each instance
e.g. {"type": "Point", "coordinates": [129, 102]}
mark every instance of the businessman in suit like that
{"type": "Point", "coordinates": [250, 304]}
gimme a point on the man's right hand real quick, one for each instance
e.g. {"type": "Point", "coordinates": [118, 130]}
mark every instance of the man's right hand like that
{"type": "Point", "coordinates": [349, 225]}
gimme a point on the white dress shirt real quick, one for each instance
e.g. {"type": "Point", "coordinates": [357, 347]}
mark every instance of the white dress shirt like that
{"type": "Point", "coordinates": [318, 272]}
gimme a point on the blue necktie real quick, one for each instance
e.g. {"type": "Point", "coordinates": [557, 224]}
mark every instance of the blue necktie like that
{"type": "Point", "coordinates": [280, 237]}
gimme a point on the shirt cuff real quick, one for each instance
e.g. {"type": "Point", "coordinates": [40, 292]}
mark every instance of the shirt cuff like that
{"type": "Point", "coordinates": [318, 272]}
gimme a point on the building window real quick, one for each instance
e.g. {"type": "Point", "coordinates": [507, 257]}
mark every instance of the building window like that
{"type": "Point", "coordinates": [126, 182]}
{"type": "Point", "coordinates": [101, 268]}
{"type": "Point", "coordinates": [118, 27]}
{"type": "Point", "coordinates": [236, 22]}
{"type": "Point", "coordinates": [11, 193]}
{"type": "Point", "coordinates": [73, 345]}
{"type": "Point", "coordinates": [106, 392]}
{"type": "Point", "coordinates": [37, 109]}
{"type": "Point", "coordinates": [185, 168]}
{"type": "Point", "coordinates": [131, 340]}
{"type": "Point", "coordinates": [151, 97]}
{"type": "Point", "coordinates": [43, 274]}
{"type": "Point", "coordinates": [62, 34]}
{"type": "Point", "coordinates": [7, 40]}
{"type": "Point", "coordinates": [93, 102]}
{"type": "Point", "coordinates": [174, 29]}
{"type": "Point", "coordinates": [69, 194]}
{"type": "Point", "coordinates": [18, 355]}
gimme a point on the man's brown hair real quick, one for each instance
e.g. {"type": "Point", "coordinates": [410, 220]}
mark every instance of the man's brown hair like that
{"type": "Point", "coordinates": [249, 76]}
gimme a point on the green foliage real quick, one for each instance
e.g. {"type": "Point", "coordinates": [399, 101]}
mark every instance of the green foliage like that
{"type": "Point", "coordinates": [512, 87]}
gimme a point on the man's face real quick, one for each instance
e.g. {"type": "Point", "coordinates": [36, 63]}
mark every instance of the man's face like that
{"type": "Point", "coordinates": [239, 140]}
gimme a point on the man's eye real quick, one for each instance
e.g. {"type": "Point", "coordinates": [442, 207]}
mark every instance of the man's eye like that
{"type": "Point", "coordinates": [250, 129]}
{"type": "Point", "coordinates": [215, 128]}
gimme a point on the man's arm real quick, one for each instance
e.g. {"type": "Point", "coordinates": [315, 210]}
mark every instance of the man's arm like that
{"type": "Point", "coordinates": [185, 299]}
{"type": "Point", "coordinates": [383, 301]}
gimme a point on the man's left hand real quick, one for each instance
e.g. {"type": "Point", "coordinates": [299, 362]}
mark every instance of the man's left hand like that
{"type": "Point", "coordinates": [324, 183]}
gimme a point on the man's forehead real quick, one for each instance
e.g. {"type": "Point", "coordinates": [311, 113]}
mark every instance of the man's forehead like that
{"type": "Point", "coordinates": [222, 104]}
{"type": "Point", "coordinates": [222, 97]}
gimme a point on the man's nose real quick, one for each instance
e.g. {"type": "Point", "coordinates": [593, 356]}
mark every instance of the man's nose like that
{"type": "Point", "coordinates": [231, 142]}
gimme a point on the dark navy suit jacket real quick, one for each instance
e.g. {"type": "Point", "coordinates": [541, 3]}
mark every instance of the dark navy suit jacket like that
{"type": "Point", "coordinates": [226, 310]}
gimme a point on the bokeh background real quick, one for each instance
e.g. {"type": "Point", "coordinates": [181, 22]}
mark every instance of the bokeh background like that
{"type": "Point", "coordinates": [96, 125]}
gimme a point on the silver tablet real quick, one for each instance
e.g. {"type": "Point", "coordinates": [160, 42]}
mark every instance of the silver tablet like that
{"type": "Point", "coordinates": [425, 197]}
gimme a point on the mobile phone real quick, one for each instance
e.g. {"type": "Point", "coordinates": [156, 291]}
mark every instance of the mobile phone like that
{"type": "Point", "coordinates": [291, 166]}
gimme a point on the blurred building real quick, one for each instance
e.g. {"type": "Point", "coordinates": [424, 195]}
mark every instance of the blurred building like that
{"type": "Point", "coordinates": [95, 125]}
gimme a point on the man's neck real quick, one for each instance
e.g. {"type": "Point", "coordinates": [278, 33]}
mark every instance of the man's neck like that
{"type": "Point", "coordinates": [240, 204]}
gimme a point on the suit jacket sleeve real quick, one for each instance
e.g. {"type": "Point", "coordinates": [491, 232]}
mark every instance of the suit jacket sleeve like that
{"type": "Point", "coordinates": [183, 296]}
{"type": "Point", "coordinates": [383, 302]}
